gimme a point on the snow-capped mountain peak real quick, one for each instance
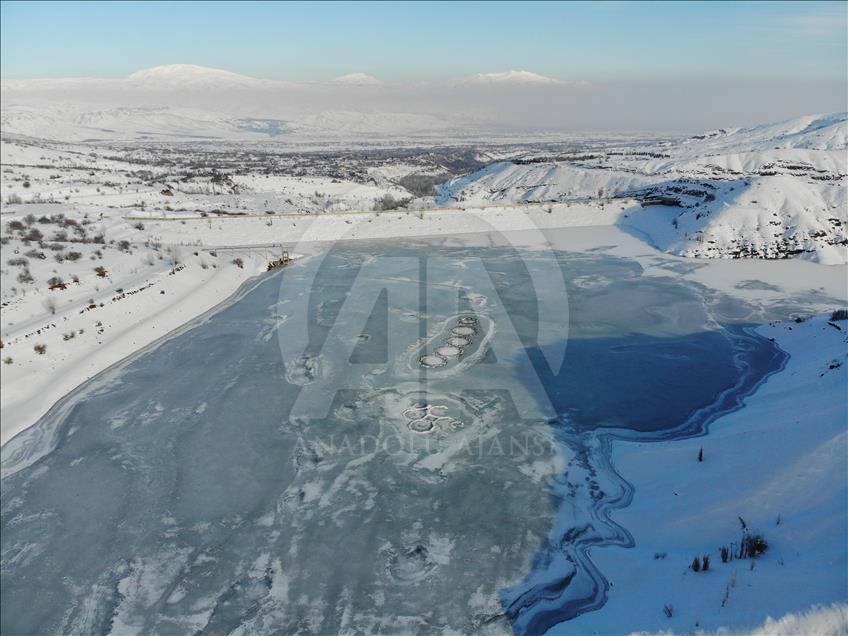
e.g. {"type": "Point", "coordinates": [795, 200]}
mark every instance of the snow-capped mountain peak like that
{"type": "Point", "coordinates": [189, 75]}
{"type": "Point", "coordinates": [358, 79]}
{"type": "Point", "coordinates": [511, 77]}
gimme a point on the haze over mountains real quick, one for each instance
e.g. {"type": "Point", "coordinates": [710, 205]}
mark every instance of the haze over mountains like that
{"type": "Point", "coordinates": [185, 101]}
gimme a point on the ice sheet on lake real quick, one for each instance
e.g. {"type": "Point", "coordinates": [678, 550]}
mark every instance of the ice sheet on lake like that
{"type": "Point", "coordinates": [310, 475]}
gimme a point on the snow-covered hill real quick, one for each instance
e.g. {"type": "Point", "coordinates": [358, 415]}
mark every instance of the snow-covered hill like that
{"type": "Point", "coordinates": [102, 123]}
{"type": "Point", "coordinates": [783, 458]}
{"type": "Point", "coordinates": [167, 123]}
{"type": "Point", "coordinates": [772, 191]}
{"type": "Point", "coordinates": [764, 217]}
{"type": "Point", "coordinates": [815, 132]}
{"type": "Point", "coordinates": [546, 181]}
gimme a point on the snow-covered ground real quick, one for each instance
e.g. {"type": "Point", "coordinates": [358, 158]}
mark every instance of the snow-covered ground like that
{"type": "Point", "coordinates": [99, 321]}
{"type": "Point", "coordinates": [143, 212]}
{"type": "Point", "coordinates": [108, 247]}
{"type": "Point", "coordinates": [157, 274]}
{"type": "Point", "coordinates": [776, 190]}
{"type": "Point", "coordinates": [772, 191]}
{"type": "Point", "coordinates": [779, 463]}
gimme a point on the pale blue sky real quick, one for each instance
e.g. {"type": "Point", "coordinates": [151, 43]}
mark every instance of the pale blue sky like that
{"type": "Point", "coordinates": [421, 41]}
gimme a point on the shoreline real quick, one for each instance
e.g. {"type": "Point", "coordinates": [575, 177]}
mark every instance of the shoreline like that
{"type": "Point", "coordinates": [32, 443]}
{"type": "Point", "coordinates": [577, 539]}
{"type": "Point", "coordinates": [29, 393]}
{"type": "Point", "coordinates": [10, 450]}
{"type": "Point", "coordinates": [679, 505]}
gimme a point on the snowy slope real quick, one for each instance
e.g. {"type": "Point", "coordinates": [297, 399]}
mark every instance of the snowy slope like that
{"type": "Point", "coordinates": [507, 182]}
{"type": "Point", "coordinates": [104, 123]}
{"type": "Point", "coordinates": [768, 217]}
{"type": "Point", "coordinates": [88, 180]}
{"type": "Point", "coordinates": [91, 122]}
{"type": "Point", "coordinates": [780, 464]}
{"type": "Point", "coordinates": [773, 191]}
{"type": "Point", "coordinates": [814, 132]}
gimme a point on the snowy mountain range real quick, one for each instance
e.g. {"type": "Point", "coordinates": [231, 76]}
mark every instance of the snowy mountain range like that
{"type": "Point", "coordinates": [186, 101]}
{"type": "Point", "coordinates": [193, 76]}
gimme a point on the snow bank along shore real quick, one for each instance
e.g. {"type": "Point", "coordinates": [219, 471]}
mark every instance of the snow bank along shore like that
{"type": "Point", "coordinates": [779, 464]}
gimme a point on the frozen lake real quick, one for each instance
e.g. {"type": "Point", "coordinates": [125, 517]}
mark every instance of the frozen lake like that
{"type": "Point", "coordinates": [399, 436]}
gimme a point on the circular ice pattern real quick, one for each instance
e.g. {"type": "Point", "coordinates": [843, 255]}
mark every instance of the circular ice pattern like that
{"type": "Point", "coordinates": [429, 418]}
{"type": "Point", "coordinates": [433, 361]}
{"type": "Point", "coordinates": [422, 425]}
{"type": "Point", "coordinates": [448, 351]}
